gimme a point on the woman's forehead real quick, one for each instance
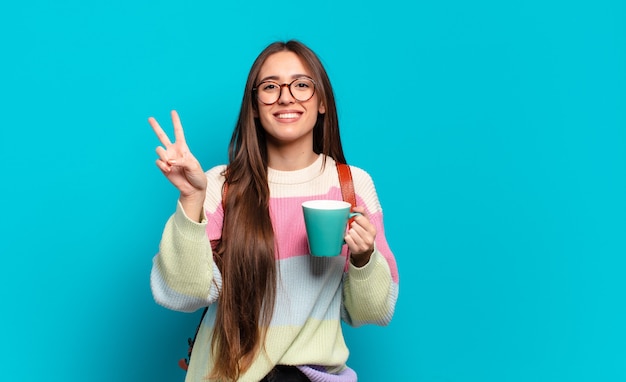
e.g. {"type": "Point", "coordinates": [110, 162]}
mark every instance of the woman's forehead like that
{"type": "Point", "coordinates": [285, 66]}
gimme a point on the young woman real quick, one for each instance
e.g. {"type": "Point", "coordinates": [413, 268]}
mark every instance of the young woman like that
{"type": "Point", "coordinates": [275, 311]}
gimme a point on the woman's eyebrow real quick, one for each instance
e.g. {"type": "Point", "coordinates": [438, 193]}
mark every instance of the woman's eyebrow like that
{"type": "Point", "coordinates": [276, 78]}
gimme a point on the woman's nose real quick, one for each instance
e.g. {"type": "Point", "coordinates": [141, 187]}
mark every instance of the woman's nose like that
{"type": "Point", "coordinates": [285, 96]}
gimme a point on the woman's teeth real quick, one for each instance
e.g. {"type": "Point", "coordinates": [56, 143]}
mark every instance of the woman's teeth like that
{"type": "Point", "coordinates": [288, 115]}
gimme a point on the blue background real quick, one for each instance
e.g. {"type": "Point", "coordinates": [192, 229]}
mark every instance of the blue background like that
{"type": "Point", "coordinates": [495, 132]}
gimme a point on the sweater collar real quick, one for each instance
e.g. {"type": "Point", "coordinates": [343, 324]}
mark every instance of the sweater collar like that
{"type": "Point", "coordinates": [299, 176]}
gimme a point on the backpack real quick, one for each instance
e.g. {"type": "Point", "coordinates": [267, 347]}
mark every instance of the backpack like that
{"type": "Point", "coordinates": [348, 195]}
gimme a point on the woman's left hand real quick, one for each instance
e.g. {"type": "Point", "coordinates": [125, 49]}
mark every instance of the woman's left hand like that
{"type": "Point", "coordinates": [360, 238]}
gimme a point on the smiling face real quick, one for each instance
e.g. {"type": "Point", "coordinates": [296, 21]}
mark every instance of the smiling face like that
{"type": "Point", "coordinates": [288, 121]}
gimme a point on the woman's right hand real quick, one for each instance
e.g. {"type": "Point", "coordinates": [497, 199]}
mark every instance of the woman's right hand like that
{"type": "Point", "coordinates": [180, 167]}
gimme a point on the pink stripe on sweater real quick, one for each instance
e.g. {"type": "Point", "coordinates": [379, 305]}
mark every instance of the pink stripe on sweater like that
{"type": "Point", "coordinates": [289, 229]}
{"type": "Point", "coordinates": [290, 233]}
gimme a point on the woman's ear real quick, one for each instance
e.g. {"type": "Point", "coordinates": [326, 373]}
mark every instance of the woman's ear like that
{"type": "Point", "coordinates": [321, 109]}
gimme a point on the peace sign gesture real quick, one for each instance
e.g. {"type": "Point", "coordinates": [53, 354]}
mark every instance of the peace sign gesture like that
{"type": "Point", "coordinates": [180, 167]}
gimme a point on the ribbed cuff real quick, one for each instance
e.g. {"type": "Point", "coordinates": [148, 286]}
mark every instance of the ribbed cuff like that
{"type": "Point", "coordinates": [188, 228]}
{"type": "Point", "coordinates": [364, 272]}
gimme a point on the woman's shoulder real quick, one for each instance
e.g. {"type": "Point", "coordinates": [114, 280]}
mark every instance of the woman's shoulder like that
{"type": "Point", "coordinates": [364, 188]}
{"type": "Point", "coordinates": [216, 172]}
{"type": "Point", "coordinates": [215, 181]}
{"type": "Point", "coordinates": [360, 176]}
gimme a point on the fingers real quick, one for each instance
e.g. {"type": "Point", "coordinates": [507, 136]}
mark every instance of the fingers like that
{"type": "Point", "coordinates": [163, 166]}
{"type": "Point", "coordinates": [175, 154]}
{"type": "Point", "coordinates": [164, 162]}
{"type": "Point", "coordinates": [362, 236]}
{"type": "Point", "coordinates": [362, 233]}
{"type": "Point", "coordinates": [360, 209]}
{"type": "Point", "coordinates": [179, 135]}
{"type": "Point", "coordinates": [163, 138]}
{"type": "Point", "coordinates": [360, 249]}
{"type": "Point", "coordinates": [362, 222]}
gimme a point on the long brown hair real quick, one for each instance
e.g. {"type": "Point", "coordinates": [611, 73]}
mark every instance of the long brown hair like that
{"type": "Point", "coordinates": [245, 253]}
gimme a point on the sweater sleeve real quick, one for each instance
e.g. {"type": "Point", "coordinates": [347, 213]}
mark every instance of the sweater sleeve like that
{"type": "Point", "coordinates": [184, 276]}
{"type": "Point", "coordinates": [370, 292]}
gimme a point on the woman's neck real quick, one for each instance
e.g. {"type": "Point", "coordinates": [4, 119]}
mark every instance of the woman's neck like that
{"type": "Point", "coordinates": [290, 159]}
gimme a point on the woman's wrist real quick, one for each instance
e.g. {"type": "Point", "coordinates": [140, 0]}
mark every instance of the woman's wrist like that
{"type": "Point", "coordinates": [362, 259]}
{"type": "Point", "coordinates": [192, 206]}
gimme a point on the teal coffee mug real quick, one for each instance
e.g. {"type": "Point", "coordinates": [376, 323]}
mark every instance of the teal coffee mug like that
{"type": "Point", "coordinates": [326, 222]}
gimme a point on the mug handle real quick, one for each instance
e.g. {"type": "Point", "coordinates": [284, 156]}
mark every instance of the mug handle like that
{"type": "Point", "coordinates": [351, 218]}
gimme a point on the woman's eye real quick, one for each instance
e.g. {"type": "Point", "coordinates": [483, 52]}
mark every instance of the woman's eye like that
{"type": "Point", "coordinates": [268, 87]}
{"type": "Point", "coordinates": [302, 84]}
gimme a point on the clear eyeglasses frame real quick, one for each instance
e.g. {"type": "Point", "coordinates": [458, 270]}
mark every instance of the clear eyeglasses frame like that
{"type": "Point", "coordinates": [301, 89]}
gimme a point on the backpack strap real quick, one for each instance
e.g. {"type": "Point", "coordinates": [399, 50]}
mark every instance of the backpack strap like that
{"type": "Point", "coordinates": [347, 185]}
{"type": "Point", "coordinates": [183, 363]}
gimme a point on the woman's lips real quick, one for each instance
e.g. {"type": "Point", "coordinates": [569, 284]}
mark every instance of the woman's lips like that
{"type": "Point", "coordinates": [287, 115]}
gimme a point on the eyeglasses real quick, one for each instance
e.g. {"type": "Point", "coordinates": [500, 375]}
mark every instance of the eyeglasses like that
{"type": "Point", "coordinates": [301, 89]}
